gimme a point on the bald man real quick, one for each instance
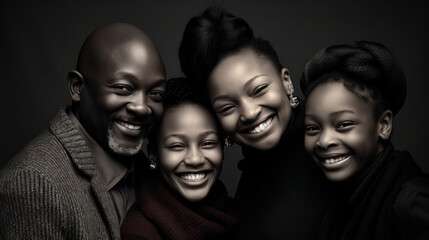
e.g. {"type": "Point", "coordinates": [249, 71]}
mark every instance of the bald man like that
{"type": "Point", "coordinates": [74, 181]}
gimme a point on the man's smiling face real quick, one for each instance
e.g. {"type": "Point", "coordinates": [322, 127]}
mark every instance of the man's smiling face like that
{"type": "Point", "coordinates": [122, 93]}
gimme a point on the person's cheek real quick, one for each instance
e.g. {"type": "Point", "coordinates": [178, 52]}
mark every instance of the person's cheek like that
{"type": "Point", "coordinates": [228, 123]}
{"type": "Point", "coordinates": [157, 109]}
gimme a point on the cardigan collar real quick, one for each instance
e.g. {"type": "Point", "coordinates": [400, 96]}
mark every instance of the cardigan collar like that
{"type": "Point", "coordinates": [80, 154]}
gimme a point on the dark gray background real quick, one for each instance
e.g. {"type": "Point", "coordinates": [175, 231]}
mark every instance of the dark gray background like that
{"type": "Point", "coordinates": [40, 43]}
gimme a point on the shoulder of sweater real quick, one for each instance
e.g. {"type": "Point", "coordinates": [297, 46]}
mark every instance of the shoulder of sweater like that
{"type": "Point", "coordinates": [44, 155]}
{"type": "Point", "coordinates": [53, 148]}
{"type": "Point", "coordinates": [414, 190]}
{"type": "Point", "coordinates": [411, 207]}
{"type": "Point", "coordinates": [43, 160]}
{"type": "Point", "coordinates": [41, 172]}
{"type": "Point", "coordinates": [33, 173]}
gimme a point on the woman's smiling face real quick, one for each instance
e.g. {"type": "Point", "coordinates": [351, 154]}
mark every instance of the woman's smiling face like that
{"type": "Point", "coordinates": [189, 150]}
{"type": "Point", "coordinates": [341, 131]}
{"type": "Point", "coordinates": [249, 96]}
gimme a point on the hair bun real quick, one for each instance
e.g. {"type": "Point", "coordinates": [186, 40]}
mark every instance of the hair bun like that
{"type": "Point", "coordinates": [368, 62]}
{"type": "Point", "coordinates": [207, 37]}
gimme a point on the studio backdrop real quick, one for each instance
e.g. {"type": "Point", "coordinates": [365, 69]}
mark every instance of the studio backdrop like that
{"type": "Point", "coordinates": [40, 42]}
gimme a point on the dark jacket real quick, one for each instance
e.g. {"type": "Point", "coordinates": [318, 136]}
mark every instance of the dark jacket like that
{"type": "Point", "coordinates": [282, 192]}
{"type": "Point", "coordinates": [390, 200]}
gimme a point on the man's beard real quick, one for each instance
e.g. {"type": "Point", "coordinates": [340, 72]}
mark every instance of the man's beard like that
{"type": "Point", "coordinates": [120, 150]}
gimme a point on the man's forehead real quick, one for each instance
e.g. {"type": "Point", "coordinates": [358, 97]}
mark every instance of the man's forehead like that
{"type": "Point", "coordinates": [113, 36]}
{"type": "Point", "coordinates": [117, 43]}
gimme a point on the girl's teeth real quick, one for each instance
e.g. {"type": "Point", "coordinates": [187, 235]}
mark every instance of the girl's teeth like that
{"type": "Point", "coordinates": [193, 177]}
{"type": "Point", "coordinates": [261, 126]}
{"type": "Point", "coordinates": [335, 159]}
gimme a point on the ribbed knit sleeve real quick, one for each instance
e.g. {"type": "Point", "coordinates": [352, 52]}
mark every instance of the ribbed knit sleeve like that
{"type": "Point", "coordinates": [52, 189]}
{"type": "Point", "coordinates": [31, 208]}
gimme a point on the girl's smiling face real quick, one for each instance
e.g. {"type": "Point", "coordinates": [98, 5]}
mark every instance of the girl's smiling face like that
{"type": "Point", "coordinates": [249, 96]}
{"type": "Point", "coordinates": [341, 132]}
{"type": "Point", "coordinates": [189, 150]}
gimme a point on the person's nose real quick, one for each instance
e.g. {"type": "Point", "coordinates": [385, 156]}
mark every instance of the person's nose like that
{"type": "Point", "coordinates": [138, 104]}
{"type": "Point", "coordinates": [249, 110]}
{"type": "Point", "coordinates": [327, 139]}
{"type": "Point", "coordinates": [194, 156]}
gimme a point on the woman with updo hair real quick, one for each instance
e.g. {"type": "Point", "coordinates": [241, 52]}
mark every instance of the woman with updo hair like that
{"type": "Point", "coordinates": [281, 193]}
{"type": "Point", "coordinates": [353, 93]}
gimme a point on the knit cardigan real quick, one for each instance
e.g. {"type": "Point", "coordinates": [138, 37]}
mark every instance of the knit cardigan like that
{"type": "Point", "coordinates": [52, 189]}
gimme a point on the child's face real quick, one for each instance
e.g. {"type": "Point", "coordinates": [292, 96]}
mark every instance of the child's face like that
{"type": "Point", "coordinates": [189, 151]}
{"type": "Point", "coordinates": [341, 132]}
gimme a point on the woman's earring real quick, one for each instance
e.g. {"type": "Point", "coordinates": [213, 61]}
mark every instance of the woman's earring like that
{"type": "Point", "coordinates": [228, 141]}
{"type": "Point", "coordinates": [152, 166]}
{"type": "Point", "coordinates": [151, 157]}
{"type": "Point", "coordinates": [294, 102]}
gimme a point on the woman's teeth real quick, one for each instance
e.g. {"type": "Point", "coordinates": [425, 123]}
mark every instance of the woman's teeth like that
{"type": "Point", "coordinates": [262, 126]}
{"type": "Point", "coordinates": [129, 126]}
{"type": "Point", "coordinates": [193, 177]}
{"type": "Point", "coordinates": [335, 159]}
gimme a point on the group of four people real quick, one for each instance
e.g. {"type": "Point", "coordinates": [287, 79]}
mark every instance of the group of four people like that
{"type": "Point", "coordinates": [319, 169]}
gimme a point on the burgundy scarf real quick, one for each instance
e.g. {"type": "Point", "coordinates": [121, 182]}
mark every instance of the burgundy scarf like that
{"type": "Point", "coordinates": [172, 217]}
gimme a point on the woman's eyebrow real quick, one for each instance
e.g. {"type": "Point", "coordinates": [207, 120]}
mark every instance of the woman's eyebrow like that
{"type": "Point", "coordinates": [338, 113]}
{"type": "Point", "coordinates": [251, 80]}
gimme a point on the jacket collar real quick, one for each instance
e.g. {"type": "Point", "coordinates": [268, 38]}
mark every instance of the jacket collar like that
{"type": "Point", "coordinates": [80, 154]}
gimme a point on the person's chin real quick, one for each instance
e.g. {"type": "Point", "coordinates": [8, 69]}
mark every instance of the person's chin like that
{"type": "Point", "coordinates": [194, 192]}
{"type": "Point", "coordinates": [195, 195]}
{"type": "Point", "coordinates": [270, 141]}
{"type": "Point", "coordinates": [338, 175]}
{"type": "Point", "coordinates": [125, 147]}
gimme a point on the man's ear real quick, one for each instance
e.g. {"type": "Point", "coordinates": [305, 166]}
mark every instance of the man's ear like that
{"type": "Point", "coordinates": [75, 80]}
{"type": "Point", "coordinates": [385, 122]}
{"type": "Point", "coordinates": [287, 82]}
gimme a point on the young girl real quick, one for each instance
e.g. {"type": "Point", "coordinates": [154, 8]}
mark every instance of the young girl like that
{"type": "Point", "coordinates": [353, 92]}
{"type": "Point", "coordinates": [281, 193]}
{"type": "Point", "coordinates": [180, 196]}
